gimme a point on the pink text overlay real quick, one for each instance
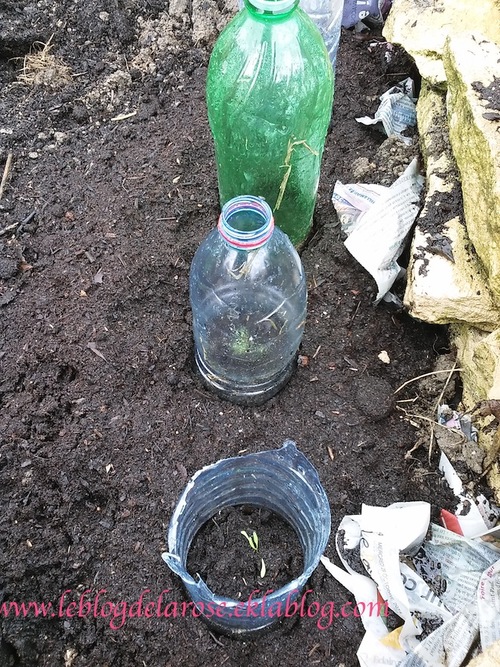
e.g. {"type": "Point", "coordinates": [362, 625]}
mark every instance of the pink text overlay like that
{"type": "Point", "coordinates": [94, 604]}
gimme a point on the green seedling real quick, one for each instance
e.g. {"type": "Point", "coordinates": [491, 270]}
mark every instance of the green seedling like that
{"type": "Point", "coordinates": [243, 343]}
{"type": "Point", "coordinates": [253, 541]}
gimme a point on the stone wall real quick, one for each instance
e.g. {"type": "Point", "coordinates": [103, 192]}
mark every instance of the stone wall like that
{"type": "Point", "coordinates": [454, 273]}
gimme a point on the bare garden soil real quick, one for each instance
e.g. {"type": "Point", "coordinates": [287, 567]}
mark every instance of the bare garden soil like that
{"type": "Point", "coordinates": [111, 188]}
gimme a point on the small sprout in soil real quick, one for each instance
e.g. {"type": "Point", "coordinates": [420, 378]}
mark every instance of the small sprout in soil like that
{"type": "Point", "coordinates": [253, 541]}
{"type": "Point", "coordinates": [241, 345]}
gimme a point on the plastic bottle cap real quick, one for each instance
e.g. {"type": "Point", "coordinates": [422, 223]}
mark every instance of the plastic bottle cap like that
{"type": "Point", "coordinates": [273, 6]}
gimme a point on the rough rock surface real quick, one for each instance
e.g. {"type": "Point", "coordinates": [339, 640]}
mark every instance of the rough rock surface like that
{"type": "Point", "coordinates": [479, 355]}
{"type": "Point", "coordinates": [422, 28]}
{"type": "Point", "coordinates": [479, 359]}
{"type": "Point", "coordinates": [454, 273]}
{"type": "Point", "coordinates": [446, 281]}
{"type": "Point", "coordinates": [474, 113]}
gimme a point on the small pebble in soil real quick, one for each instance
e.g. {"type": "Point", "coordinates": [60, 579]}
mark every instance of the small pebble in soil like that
{"type": "Point", "coordinates": [8, 268]}
{"type": "Point", "coordinates": [374, 397]}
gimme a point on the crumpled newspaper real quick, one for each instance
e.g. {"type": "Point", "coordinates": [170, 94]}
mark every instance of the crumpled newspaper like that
{"type": "Point", "coordinates": [445, 587]}
{"type": "Point", "coordinates": [377, 220]}
{"type": "Point", "coordinates": [397, 110]}
{"type": "Point", "coordinates": [474, 516]}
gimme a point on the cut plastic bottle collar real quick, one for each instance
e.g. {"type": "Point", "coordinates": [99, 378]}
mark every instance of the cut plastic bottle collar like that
{"type": "Point", "coordinates": [281, 480]}
{"type": "Point", "coordinates": [273, 6]}
{"type": "Point", "coordinates": [258, 214]}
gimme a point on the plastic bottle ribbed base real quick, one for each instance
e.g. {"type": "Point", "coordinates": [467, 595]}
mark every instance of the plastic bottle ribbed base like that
{"type": "Point", "coordinates": [240, 393]}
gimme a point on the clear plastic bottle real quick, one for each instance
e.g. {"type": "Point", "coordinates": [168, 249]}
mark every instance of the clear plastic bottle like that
{"type": "Point", "coordinates": [327, 15]}
{"type": "Point", "coordinates": [248, 297]}
{"type": "Point", "coordinates": [269, 98]}
{"type": "Point", "coordinates": [282, 481]}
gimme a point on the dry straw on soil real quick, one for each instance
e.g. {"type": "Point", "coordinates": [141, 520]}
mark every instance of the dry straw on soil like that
{"type": "Point", "coordinates": [42, 68]}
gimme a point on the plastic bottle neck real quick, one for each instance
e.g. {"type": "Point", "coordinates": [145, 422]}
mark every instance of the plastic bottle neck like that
{"type": "Point", "coordinates": [246, 222]}
{"type": "Point", "coordinates": [271, 7]}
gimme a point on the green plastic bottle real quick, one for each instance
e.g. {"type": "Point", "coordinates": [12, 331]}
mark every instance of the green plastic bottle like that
{"type": "Point", "coordinates": [269, 98]}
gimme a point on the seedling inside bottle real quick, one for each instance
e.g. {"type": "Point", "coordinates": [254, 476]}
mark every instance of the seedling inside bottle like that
{"type": "Point", "coordinates": [253, 541]}
{"type": "Point", "coordinates": [244, 342]}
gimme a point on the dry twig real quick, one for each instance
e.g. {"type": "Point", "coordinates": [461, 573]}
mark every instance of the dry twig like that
{"type": "Point", "coordinates": [9, 228]}
{"type": "Point", "coordinates": [288, 166]}
{"type": "Point", "coordinates": [419, 377]}
{"type": "Point", "coordinates": [436, 406]}
{"type": "Point", "coordinates": [6, 173]}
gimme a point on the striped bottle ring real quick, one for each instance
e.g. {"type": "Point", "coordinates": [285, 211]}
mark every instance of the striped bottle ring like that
{"type": "Point", "coordinates": [261, 216]}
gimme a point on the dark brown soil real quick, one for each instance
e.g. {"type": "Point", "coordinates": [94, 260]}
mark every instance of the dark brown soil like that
{"type": "Point", "coordinates": [102, 420]}
{"type": "Point", "coordinates": [232, 567]}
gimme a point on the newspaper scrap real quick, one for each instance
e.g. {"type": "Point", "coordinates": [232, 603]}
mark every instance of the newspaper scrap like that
{"type": "Point", "coordinates": [444, 587]}
{"type": "Point", "coordinates": [397, 110]}
{"type": "Point", "coordinates": [474, 517]}
{"type": "Point", "coordinates": [377, 220]}
{"type": "Point", "coordinates": [489, 605]}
